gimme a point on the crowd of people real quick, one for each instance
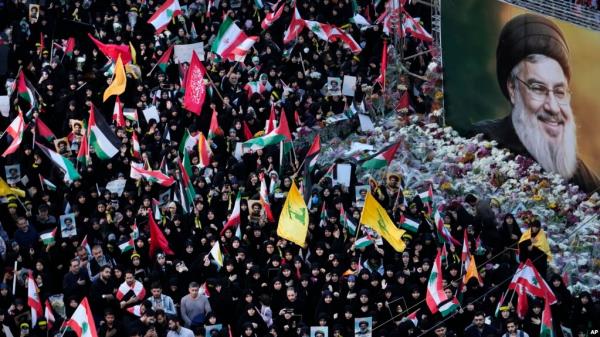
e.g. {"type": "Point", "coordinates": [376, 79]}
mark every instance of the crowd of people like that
{"type": "Point", "coordinates": [72, 237]}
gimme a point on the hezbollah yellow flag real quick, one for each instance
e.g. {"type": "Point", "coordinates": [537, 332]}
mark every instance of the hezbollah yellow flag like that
{"type": "Point", "coordinates": [7, 190]}
{"type": "Point", "coordinates": [540, 241]}
{"type": "Point", "coordinates": [119, 82]}
{"type": "Point", "coordinates": [293, 220]}
{"type": "Point", "coordinates": [374, 216]}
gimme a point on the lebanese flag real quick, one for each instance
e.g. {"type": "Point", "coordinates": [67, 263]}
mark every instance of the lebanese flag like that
{"type": "Point", "coordinates": [532, 282]}
{"type": "Point", "coordinates": [295, 28]}
{"type": "Point", "coordinates": [414, 28]}
{"type": "Point", "coordinates": [271, 123]}
{"type": "Point", "coordinates": [323, 31]}
{"type": "Point", "coordinates": [15, 130]}
{"type": "Point", "coordinates": [157, 238]}
{"type": "Point", "coordinates": [436, 297]}
{"type": "Point", "coordinates": [264, 197]}
{"type": "Point", "coordinates": [118, 116]}
{"type": "Point", "coordinates": [82, 320]}
{"type": "Point", "coordinates": [348, 40]}
{"type": "Point", "coordinates": [271, 18]}
{"type": "Point", "coordinates": [204, 151]}
{"type": "Point", "coordinates": [228, 38]}
{"type": "Point", "coordinates": [137, 289]}
{"type": "Point", "coordinates": [382, 159]}
{"type": "Point", "coordinates": [381, 78]}
{"type": "Point", "coordinates": [234, 219]}
{"type": "Point", "coordinates": [112, 51]}
{"type": "Point", "coordinates": [63, 163]}
{"type": "Point", "coordinates": [135, 146]}
{"type": "Point", "coordinates": [163, 16]}
{"type": "Point", "coordinates": [138, 172]}
{"type": "Point", "coordinates": [195, 89]}
{"type": "Point", "coordinates": [214, 130]}
{"type": "Point", "coordinates": [49, 315]}
{"type": "Point", "coordinates": [240, 51]}
{"type": "Point", "coordinates": [33, 299]}
{"type": "Point", "coordinates": [43, 130]}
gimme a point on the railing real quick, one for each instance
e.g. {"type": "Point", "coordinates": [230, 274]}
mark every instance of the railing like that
{"type": "Point", "coordinates": [563, 10]}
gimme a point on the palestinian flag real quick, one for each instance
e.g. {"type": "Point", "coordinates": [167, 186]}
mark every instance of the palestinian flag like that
{"type": "Point", "coordinates": [49, 315]}
{"type": "Point", "coordinates": [228, 38]}
{"type": "Point", "coordinates": [214, 130]}
{"type": "Point", "coordinates": [272, 122]}
{"type": "Point", "coordinates": [46, 183]}
{"type": "Point", "coordinates": [295, 28]}
{"type": "Point", "coordinates": [204, 152]}
{"type": "Point", "coordinates": [43, 130]}
{"type": "Point", "coordinates": [61, 162]}
{"type": "Point", "coordinates": [126, 246]}
{"type": "Point", "coordinates": [49, 237]}
{"type": "Point", "coordinates": [188, 142]}
{"type": "Point", "coordinates": [138, 172]}
{"type": "Point", "coordinates": [83, 155]}
{"type": "Point", "coordinates": [414, 318]}
{"type": "Point", "coordinates": [427, 196]}
{"type": "Point", "coordinates": [383, 68]}
{"type": "Point", "coordinates": [163, 62]}
{"type": "Point", "coordinates": [190, 192]}
{"type": "Point", "coordinates": [234, 219]}
{"type": "Point", "coordinates": [363, 242]}
{"type": "Point", "coordinates": [383, 158]}
{"type": "Point", "coordinates": [313, 153]}
{"type": "Point", "coordinates": [118, 116]}
{"type": "Point", "coordinates": [84, 242]}
{"type": "Point", "coordinates": [70, 47]}
{"type": "Point", "coordinates": [82, 320]}
{"type": "Point", "coordinates": [25, 92]}
{"type": "Point", "coordinates": [15, 131]}
{"type": "Point", "coordinates": [272, 138]}
{"type": "Point", "coordinates": [436, 298]}
{"type": "Point", "coordinates": [33, 299]}
{"type": "Point", "coordinates": [102, 138]}
{"type": "Point", "coordinates": [163, 15]}
{"type": "Point", "coordinates": [135, 231]}
{"type": "Point", "coordinates": [131, 114]}
{"type": "Point", "coordinates": [409, 225]}
{"type": "Point", "coordinates": [247, 133]}
{"type": "Point", "coordinates": [546, 329]}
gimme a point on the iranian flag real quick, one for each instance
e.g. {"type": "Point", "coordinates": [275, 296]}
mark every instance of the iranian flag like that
{"type": "Point", "coordinates": [63, 163]}
{"type": "Point", "coordinates": [43, 130]}
{"type": "Point", "coordinates": [272, 17]}
{"type": "Point", "coordinates": [188, 142]}
{"type": "Point", "coordinates": [82, 321]}
{"type": "Point", "coordinates": [214, 130]}
{"type": "Point", "coordinates": [228, 38]}
{"type": "Point", "coordinates": [264, 197]}
{"type": "Point", "coordinates": [528, 277]}
{"type": "Point", "coordinates": [234, 219]}
{"type": "Point", "coordinates": [295, 28]}
{"type": "Point", "coordinates": [204, 152]}
{"type": "Point", "coordinates": [546, 329]}
{"type": "Point", "coordinates": [409, 225]}
{"type": "Point", "coordinates": [255, 87]}
{"type": "Point", "coordinates": [118, 116]}
{"type": "Point", "coordinates": [163, 62]}
{"type": "Point", "coordinates": [126, 246]}
{"type": "Point", "coordinates": [383, 158]}
{"type": "Point", "coordinates": [102, 138]}
{"type": "Point", "coordinates": [33, 299]}
{"type": "Point", "coordinates": [49, 314]}
{"type": "Point", "coordinates": [163, 16]}
{"type": "Point", "coordinates": [436, 298]}
{"type": "Point", "coordinates": [138, 172]}
{"type": "Point", "coordinates": [49, 237]}
{"type": "Point", "coordinates": [195, 89]}
{"type": "Point", "coordinates": [15, 131]}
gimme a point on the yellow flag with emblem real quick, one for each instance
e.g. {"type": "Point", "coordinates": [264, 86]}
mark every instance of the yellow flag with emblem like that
{"type": "Point", "coordinates": [293, 220]}
{"type": "Point", "coordinates": [539, 241]}
{"type": "Point", "coordinates": [375, 217]}
{"type": "Point", "coordinates": [119, 82]}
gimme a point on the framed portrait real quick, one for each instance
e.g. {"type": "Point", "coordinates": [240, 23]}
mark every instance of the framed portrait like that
{"type": "Point", "coordinates": [62, 146]}
{"type": "Point", "coordinates": [13, 173]}
{"type": "Point", "coordinates": [363, 326]}
{"type": "Point", "coordinates": [68, 227]}
{"type": "Point", "coordinates": [334, 86]}
{"type": "Point", "coordinates": [255, 210]}
{"type": "Point", "coordinates": [34, 12]}
{"type": "Point", "coordinates": [319, 331]}
{"type": "Point", "coordinates": [213, 330]}
{"type": "Point", "coordinates": [360, 194]}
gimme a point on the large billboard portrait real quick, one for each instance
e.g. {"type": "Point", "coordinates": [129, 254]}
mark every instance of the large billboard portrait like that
{"type": "Point", "coordinates": [527, 81]}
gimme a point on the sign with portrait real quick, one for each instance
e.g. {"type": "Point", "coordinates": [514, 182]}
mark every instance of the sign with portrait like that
{"type": "Point", "coordinates": [68, 227]}
{"type": "Point", "coordinates": [363, 326]}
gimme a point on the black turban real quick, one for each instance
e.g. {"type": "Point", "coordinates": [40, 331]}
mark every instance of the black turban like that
{"type": "Point", "coordinates": [529, 34]}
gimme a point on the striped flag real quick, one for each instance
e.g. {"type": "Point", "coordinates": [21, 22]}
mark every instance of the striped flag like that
{"type": "Point", "coordinates": [188, 141]}
{"type": "Point", "coordinates": [118, 116]}
{"type": "Point", "coordinates": [62, 163]}
{"type": "Point", "coordinates": [264, 197]}
{"type": "Point", "coordinates": [409, 225]}
{"type": "Point", "coordinates": [33, 299]}
{"type": "Point", "coordinates": [15, 131]}
{"type": "Point", "coordinates": [138, 172]}
{"type": "Point", "coordinates": [234, 219]}
{"type": "Point", "coordinates": [214, 130]}
{"type": "Point", "coordinates": [135, 146]}
{"type": "Point", "coordinates": [295, 28]}
{"type": "Point", "coordinates": [383, 158]}
{"type": "Point", "coordinates": [436, 297]}
{"type": "Point", "coordinates": [43, 130]}
{"type": "Point", "coordinates": [164, 14]}
{"type": "Point", "coordinates": [126, 246]}
{"type": "Point", "coordinates": [49, 237]}
{"type": "Point", "coordinates": [82, 320]}
{"type": "Point", "coordinates": [49, 315]}
{"type": "Point", "coordinates": [204, 151]}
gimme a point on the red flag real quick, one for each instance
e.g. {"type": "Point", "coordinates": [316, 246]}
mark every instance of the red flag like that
{"type": "Point", "coordinates": [295, 28]}
{"type": "Point", "coordinates": [297, 118]}
{"type": "Point", "coordinates": [247, 132]}
{"type": "Point", "coordinates": [522, 302]}
{"type": "Point", "coordinates": [195, 89]}
{"type": "Point", "coordinates": [214, 130]}
{"type": "Point", "coordinates": [118, 116]}
{"type": "Point", "coordinates": [381, 78]}
{"type": "Point", "coordinates": [42, 45]}
{"type": "Point", "coordinates": [70, 47]}
{"type": "Point", "coordinates": [271, 122]}
{"type": "Point", "coordinates": [157, 238]}
{"type": "Point", "coordinates": [112, 51]}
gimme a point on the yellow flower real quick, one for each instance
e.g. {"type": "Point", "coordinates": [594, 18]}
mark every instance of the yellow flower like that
{"type": "Point", "coordinates": [537, 197]}
{"type": "Point", "coordinates": [446, 186]}
{"type": "Point", "coordinates": [439, 95]}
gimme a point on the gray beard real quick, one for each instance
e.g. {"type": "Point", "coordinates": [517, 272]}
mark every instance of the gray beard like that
{"type": "Point", "coordinates": [558, 157]}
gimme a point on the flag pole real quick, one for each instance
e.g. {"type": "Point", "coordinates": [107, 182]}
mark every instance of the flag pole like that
{"type": "Point", "coordinates": [14, 286]}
